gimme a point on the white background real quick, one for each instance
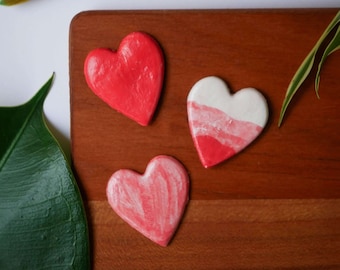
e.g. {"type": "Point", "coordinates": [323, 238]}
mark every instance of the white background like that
{"type": "Point", "coordinates": [34, 44]}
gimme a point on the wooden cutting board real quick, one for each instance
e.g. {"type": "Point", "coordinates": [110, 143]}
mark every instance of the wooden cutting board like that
{"type": "Point", "coordinates": [288, 179]}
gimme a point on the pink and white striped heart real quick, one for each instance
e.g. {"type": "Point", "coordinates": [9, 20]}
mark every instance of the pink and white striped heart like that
{"type": "Point", "coordinates": [222, 124]}
{"type": "Point", "coordinates": [152, 203]}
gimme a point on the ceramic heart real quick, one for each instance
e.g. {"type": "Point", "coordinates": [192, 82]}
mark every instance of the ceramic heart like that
{"type": "Point", "coordinates": [222, 124]}
{"type": "Point", "coordinates": [130, 79]}
{"type": "Point", "coordinates": [152, 203]}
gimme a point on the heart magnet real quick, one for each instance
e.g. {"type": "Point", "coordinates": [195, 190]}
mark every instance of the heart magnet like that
{"type": "Point", "coordinates": [222, 124]}
{"type": "Point", "coordinates": [130, 79]}
{"type": "Point", "coordinates": [152, 203]}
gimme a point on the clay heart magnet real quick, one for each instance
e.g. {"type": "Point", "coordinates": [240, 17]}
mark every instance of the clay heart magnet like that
{"type": "Point", "coordinates": [130, 79]}
{"type": "Point", "coordinates": [222, 124]}
{"type": "Point", "coordinates": [152, 203]}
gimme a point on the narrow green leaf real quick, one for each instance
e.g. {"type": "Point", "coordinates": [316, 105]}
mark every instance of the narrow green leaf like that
{"type": "Point", "coordinates": [297, 81]}
{"type": "Point", "coordinates": [305, 68]}
{"type": "Point", "coordinates": [333, 46]}
{"type": "Point", "coordinates": [42, 219]}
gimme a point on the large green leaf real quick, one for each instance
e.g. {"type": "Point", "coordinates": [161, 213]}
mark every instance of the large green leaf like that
{"type": "Point", "coordinates": [42, 219]}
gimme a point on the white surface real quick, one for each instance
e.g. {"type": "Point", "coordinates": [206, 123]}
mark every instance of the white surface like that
{"type": "Point", "coordinates": [34, 43]}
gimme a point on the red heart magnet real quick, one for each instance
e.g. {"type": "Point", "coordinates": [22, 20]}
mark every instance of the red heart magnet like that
{"type": "Point", "coordinates": [130, 79]}
{"type": "Point", "coordinates": [152, 203]}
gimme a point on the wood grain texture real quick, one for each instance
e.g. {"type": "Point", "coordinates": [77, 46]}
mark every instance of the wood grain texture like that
{"type": "Point", "coordinates": [273, 206]}
{"type": "Point", "coordinates": [257, 49]}
{"type": "Point", "coordinates": [227, 234]}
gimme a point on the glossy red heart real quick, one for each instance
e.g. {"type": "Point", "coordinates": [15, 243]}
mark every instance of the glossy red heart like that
{"type": "Point", "coordinates": [152, 203]}
{"type": "Point", "coordinates": [130, 79]}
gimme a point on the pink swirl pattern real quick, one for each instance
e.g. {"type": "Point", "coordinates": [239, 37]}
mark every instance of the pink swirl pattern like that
{"type": "Point", "coordinates": [216, 135]}
{"type": "Point", "coordinates": [152, 203]}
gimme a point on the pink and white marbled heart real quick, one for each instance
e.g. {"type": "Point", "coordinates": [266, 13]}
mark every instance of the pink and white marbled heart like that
{"type": "Point", "coordinates": [152, 203]}
{"type": "Point", "coordinates": [222, 124]}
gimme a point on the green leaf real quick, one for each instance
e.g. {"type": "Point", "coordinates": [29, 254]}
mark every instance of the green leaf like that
{"type": "Point", "coordinates": [305, 68]}
{"type": "Point", "coordinates": [11, 2]}
{"type": "Point", "coordinates": [333, 46]}
{"type": "Point", "coordinates": [42, 218]}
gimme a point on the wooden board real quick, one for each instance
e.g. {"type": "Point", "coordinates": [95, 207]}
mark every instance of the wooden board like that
{"type": "Point", "coordinates": [227, 234]}
{"type": "Point", "coordinates": [294, 163]}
